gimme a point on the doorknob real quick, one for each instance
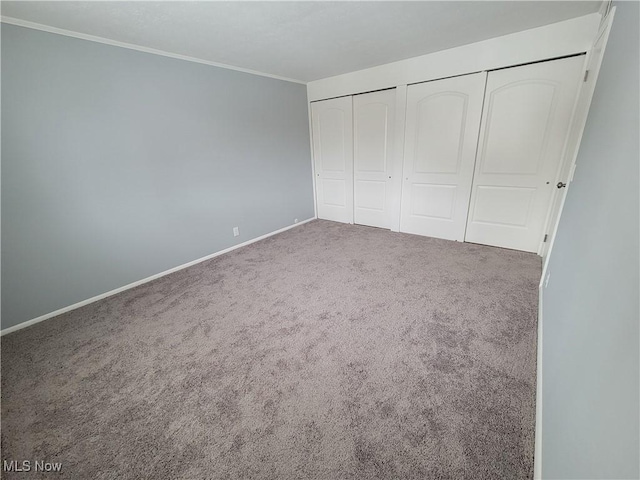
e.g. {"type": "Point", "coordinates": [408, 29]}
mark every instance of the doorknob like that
{"type": "Point", "coordinates": [561, 185]}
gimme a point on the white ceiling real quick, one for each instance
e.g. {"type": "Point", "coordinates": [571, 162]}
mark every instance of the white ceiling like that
{"type": "Point", "coordinates": [298, 40]}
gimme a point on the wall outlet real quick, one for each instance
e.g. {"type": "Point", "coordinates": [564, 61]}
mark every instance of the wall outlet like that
{"type": "Point", "coordinates": [546, 280]}
{"type": "Point", "coordinates": [295, 220]}
{"type": "Point", "coordinates": [236, 231]}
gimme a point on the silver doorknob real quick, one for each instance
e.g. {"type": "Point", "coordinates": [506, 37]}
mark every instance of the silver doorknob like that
{"type": "Point", "coordinates": [561, 185]}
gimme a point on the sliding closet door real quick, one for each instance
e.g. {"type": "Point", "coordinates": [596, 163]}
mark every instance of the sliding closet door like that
{"type": "Point", "coordinates": [332, 132]}
{"type": "Point", "coordinates": [525, 123]}
{"type": "Point", "coordinates": [443, 119]}
{"type": "Point", "coordinates": [373, 128]}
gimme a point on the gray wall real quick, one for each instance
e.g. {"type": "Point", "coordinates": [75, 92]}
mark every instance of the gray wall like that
{"type": "Point", "coordinates": [590, 307]}
{"type": "Point", "coordinates": [117, 165]}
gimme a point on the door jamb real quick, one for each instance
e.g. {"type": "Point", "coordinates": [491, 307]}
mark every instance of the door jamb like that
{"type": "Point", "coordinates": [578, 123]}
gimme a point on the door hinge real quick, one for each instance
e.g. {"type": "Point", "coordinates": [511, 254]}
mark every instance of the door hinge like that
{"type": "Point", "coordinates": [586, 75]}
{"type": "Point", "coordinates": [546, 235]}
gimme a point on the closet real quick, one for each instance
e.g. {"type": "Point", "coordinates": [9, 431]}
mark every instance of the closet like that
{"type": "Point", "coordinates": [524, 129]}
{"type": "Point", "coordinates": [352, 148]}
{"type": "Point", "coordinates": [482, 154]}
{"type": "Point", "coordinates": [332, 133]}
{"type": "Point", "coordinates": [373, 122]}
{"type": "Point", "coordinates": [441, 134]}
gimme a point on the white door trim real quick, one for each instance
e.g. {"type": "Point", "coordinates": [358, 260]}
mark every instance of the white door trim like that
{"type": "Point", "coordinates": [581, 111]}
{"type": "Point", "coordinates": [398, 156]}
{"type": "Point", "coordinates": [313, 164]}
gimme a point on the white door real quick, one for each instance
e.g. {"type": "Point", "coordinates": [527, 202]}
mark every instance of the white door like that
{"type": "Point", "coordinates": [443, 119]}
{"type": "Point", "coordinates": [525, 122]}
{"type": "Point", "coordinates": [373, 129]}
{"type": "Point", "coordinates": [332, 132]}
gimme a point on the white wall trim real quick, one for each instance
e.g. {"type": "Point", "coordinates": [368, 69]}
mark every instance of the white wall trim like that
{"type": "Point", "coordinates": [60, 311]}
{"type": "Point", "coordinates": [92, 38]}
{"type": "Point", "coordinates": [537, 451]}
{"type": "Point", "coordinates": [542, 43]}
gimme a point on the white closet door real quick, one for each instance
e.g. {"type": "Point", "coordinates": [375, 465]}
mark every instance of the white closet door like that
{"type": "Point", "coordinates": [332, 132]}
{"type": "Point", "coordinates": [373, 129]}
{"type": "Point", "coordinates": [443, 119]}
{"type": "Point", "coordinates": [525, 123]}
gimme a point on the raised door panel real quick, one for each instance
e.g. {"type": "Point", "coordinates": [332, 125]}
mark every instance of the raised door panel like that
{"type": "Point", "coordinates": [443, 119]}
{"type": "Point", "coordinates": [439, 131]}
{"type": "Point", "coordinates": [504, 205]}
{"type": "Point", "coordinates": [332, 139]}
{"type": "Point", "coordinates": [519, 121]}
{"type": "Point", "coordinates": [433, 201]}
{"type": "Point", "coordinates": [332, 131]}
{"type": "Point", "coordinates": [523, 134]}
{"type": "Point", "coordinates": [373, 118]}
{"type": "Point", "coordinates": [371, 132]}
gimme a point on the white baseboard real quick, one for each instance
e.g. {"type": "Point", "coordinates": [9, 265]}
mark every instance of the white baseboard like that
{"type": "Point", "coordinates": [537, 452]}
{"type": "Point", "coordinates": [145, 280]}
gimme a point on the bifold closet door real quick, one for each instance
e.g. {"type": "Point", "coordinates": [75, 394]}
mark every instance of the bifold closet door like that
{"type": "Point", "coordinates": [373, 128]}
{"type": "Point", "coordinates": [525, 124]}
{"type": "Point", "coordinates": [442, 124]}
{"type": "Point", "coordinates": [332, 130]}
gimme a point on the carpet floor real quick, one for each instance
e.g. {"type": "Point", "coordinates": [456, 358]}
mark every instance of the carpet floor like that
{"type": "Point", "coordinates": [328, 351]}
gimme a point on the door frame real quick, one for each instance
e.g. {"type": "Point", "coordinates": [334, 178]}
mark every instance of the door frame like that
{"type": "Point", "coordinates": [578, 123]}
{"type": "Point", "coordinates": [561, 174]}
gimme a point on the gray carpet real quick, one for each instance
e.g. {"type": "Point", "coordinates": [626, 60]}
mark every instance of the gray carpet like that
{"type": "Point", "coordinates": [329, 351]}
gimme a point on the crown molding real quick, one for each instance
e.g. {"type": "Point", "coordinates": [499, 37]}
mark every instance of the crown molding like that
{"type": "Point", "coordinates": [92, 38]}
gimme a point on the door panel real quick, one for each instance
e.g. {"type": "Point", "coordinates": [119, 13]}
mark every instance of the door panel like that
{"type": "Point", "coordinates": [371, 195]}
{"type": "Point", "coordinates": [443, 119]}
{"type": "Point", "coordinates": [520, 125]}
{"type": "Point", "coordinates": [525, 124]}
{"type": "Point", "coordinates": [332, 130]}
{"type": "Point", "coordinates": [432, 201]}
{"type": "Point", "coordinates": [439, 132]}
{"type": "Point", "coordinates": [504, 205]}
{"type": "Point", "coordinates": [373, 122]}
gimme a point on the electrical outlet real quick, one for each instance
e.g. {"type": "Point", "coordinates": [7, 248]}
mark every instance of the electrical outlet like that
{"type": "Point", "coordinates": [236, 231]}
{"type": "Point", "coordinates": [295, 220]}
{"type": "Point", "coordinates": [546, 281]}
